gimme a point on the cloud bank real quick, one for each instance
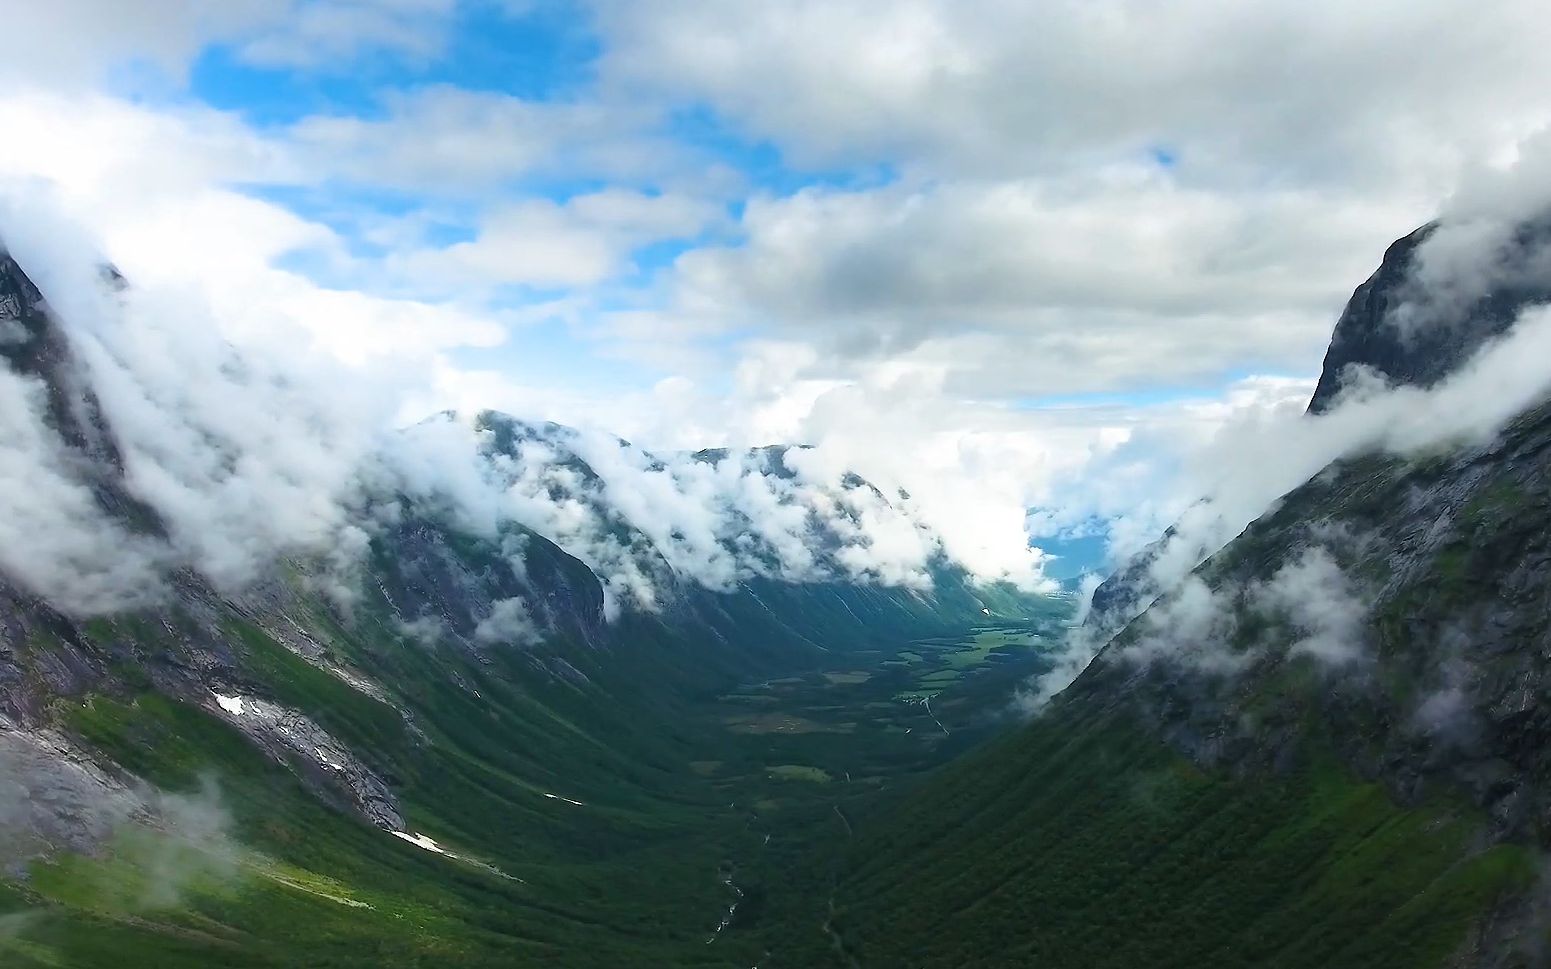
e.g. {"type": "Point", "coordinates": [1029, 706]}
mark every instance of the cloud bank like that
{"type": "Point", "coordinates": [254, 444]}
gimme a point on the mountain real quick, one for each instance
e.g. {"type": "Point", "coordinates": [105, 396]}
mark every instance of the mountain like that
{"type": "Point", "coordinates": [515, 693]}
{"type": "Point", "coordinates": [1402, 330]}
{"type": "Point", "coordinates": [1413, 323]}
{"type": "Point", "coordinates": [498, 716]}
{"type": "Point", "coordinates": [1325, 746]}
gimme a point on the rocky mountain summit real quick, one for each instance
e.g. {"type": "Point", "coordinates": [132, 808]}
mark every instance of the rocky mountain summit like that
{"type": "Point", "coordinates": [1404, 331]}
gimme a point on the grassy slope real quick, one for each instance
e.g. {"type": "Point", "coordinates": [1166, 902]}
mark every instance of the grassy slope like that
{"type": "Point", "coordinates": [1090, 845]}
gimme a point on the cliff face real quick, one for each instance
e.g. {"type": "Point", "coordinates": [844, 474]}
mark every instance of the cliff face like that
{"type": "Point", "coordinates": [458, 603]}
{"type": "Point", "coordinates": [1396, 330]}
{"type": "Point", "coordinates": [1438, 673]}
{"type": "Point", "coordinates": [1408, 324]}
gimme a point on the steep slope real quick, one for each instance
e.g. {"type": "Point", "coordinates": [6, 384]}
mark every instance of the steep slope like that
{"type": "Point", "coordinates": [1324, 748]}
{"type": "Point", "coordinates": [1421, 316]}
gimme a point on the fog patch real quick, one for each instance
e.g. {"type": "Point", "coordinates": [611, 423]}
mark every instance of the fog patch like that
{"type": "Point", "coordinates": [1312, 606]}
{"type": "Point", "coordinates": [157, 847]}
{"type": "Point", "coordinates": [510, 622]}
{"type": "Point", "coordinates": [1314, 596]}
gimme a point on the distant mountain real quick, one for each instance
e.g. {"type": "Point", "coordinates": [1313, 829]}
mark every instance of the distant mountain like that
{"type": "Point", "coordinates": [526, 678]}
{"type": "Point", "coordinates": [1326, 746]}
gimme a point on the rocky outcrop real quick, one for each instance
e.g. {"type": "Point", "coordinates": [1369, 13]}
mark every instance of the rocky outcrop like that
{"type": "Point", "coordinates": [54, 798]}
{"type": "Point", "coordinates": [1395, 329]}
{"type": "Point", "coordinates": [1415, 335]}
{"type": "Point", "coordinates": [295, 738]}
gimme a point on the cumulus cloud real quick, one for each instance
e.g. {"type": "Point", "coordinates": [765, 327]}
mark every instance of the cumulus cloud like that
{"type": "Point", "coordinates": [1125, 269]}
{"type": "Point", "coordinates": [455, 142]}
{"type": "Point", "coordinates": [585, 240]}
{"type": "Point", "coordinates": [76, 43]}
{"type": "Point", "coordinates": [1329, 91]}
{"type": "Point", "coordinates": [1012, 225]}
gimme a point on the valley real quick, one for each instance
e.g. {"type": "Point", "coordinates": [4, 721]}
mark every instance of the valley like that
{"type": "Point", "coordinates": [608, 833]}
{"type": "Point", "coordinates": [623, 485]}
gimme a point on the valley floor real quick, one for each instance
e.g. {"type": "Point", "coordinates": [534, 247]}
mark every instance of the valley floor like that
{"type": "Point", "coordinates": [698, 838]}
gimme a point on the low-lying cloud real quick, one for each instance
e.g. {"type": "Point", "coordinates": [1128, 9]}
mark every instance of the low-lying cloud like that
{"type": "Point", "coordinates": [254, 444]}
{"type": "Point", "coordinates": [1485, 242]}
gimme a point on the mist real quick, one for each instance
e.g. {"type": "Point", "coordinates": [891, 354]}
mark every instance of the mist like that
{"type": "Point", "coordinates": [1479, 244]}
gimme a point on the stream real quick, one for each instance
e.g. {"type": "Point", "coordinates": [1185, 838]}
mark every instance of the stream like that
{"type": "Point", "coordinates": [731, 909]}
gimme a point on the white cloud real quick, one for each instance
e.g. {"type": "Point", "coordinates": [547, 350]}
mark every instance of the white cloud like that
{"type": "Point", "coordinates": [443, 140]}
{"type": "Point", "coordinates": [1320, 91]}
{"type": "Point", "coordinates": [583, 241]}
{"type": "Point", "coordinates": [1317, 599]}
{"type": "Point", "coordinates": [510, 623]}
{"type": "Point", "coordinates": [78, 44]}
{"type": "Point", "coordinates": [1020, 241]}
{"type": "Point", "coordinates": [75, 43]}
{"type": "Point", "coordinates": [330, 33]}
{"type": "Point", "coordinates": [1140, 279]}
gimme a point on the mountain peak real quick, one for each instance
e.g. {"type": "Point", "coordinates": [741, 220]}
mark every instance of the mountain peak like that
{"type": "Point", "coordinates": [1416, 333]}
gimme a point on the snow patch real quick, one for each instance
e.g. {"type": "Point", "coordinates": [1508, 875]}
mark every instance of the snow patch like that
{"type": "Point", "coordinates": [420, 841]}
{"type": "Point", "coordinates": [231, 704]}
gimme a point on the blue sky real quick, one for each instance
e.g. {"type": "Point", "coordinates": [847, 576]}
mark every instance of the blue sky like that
{"type": "Point", "coordinates": [545, 53]}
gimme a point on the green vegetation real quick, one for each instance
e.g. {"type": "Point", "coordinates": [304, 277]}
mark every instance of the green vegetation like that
{"type": "Point", "coordinates": [1089, 845]}
{"type": "Point", "coordinates": [800, 772]}
{"type": "Point", "coordinates": [851, 797]}
{"type": "Point", "coordinates": [593, 821]}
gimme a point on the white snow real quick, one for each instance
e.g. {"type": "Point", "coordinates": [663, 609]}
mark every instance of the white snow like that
{"type": "Point", "coordinates": [420, 841]}
{"type": "Point", "coordinates": [327, 761]}
{"type": "Point", "coordinates": [231, 704]}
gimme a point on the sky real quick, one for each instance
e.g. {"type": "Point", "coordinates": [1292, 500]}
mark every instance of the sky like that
{"type": "Point", "coordinates": [1007, 255]}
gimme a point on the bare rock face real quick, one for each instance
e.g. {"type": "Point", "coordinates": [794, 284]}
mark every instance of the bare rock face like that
{"type": "Point", "coordinates": [53, 798]}
{"type": "Point", "coordinates": [1448, 651]}
{"type": "Point", "coordinates": [325, 763]}
{"type": "Point", "coordinates": [1393, 330]}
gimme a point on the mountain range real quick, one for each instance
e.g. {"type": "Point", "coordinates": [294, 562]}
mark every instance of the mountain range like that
{"type": "Point", "coordinates": [523, 703]}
